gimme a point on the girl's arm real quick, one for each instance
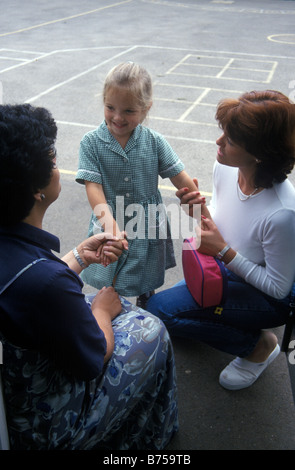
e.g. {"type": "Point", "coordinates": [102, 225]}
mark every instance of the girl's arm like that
{"type": "Point", "coordinates": [183, 180]}
{"type": "Point", "coordinates": [188, 186]}
{"type": "Point", "coordinates": [98, 203]}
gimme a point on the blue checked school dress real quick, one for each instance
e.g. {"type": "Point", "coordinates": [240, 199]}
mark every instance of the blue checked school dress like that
{"type": "Point", "coordinates": [130, 181]}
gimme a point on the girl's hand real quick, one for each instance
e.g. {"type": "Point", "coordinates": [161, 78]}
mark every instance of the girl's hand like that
{"type": "Point", "coordinates": [111, 250]}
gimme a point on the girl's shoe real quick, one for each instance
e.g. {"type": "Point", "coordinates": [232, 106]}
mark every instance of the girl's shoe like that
{"type": "Point", "coordinates": [142, 300]}
{"type": "Point", "coordinates": [241, 373]}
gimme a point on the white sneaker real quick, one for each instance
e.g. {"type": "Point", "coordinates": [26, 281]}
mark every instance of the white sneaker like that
{"type": "Point", "coordinates": [241, 373]}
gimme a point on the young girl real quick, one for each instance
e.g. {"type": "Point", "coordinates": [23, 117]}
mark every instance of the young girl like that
{"type": "Point", "coordinates": [119, 164]}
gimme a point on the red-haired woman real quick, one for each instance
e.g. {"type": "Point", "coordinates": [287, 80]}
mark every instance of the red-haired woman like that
{"type": "Point", "coordinates": [251, 225]}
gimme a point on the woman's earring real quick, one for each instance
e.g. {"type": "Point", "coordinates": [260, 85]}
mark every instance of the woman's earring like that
{"type": "Point", "coordinates": [258, 161]}
{"type": "Point", "coordinates": [42, 196]}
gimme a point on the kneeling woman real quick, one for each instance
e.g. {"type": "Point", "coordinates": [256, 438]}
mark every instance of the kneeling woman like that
{"type": "Point", "coordinates": [251, 221]}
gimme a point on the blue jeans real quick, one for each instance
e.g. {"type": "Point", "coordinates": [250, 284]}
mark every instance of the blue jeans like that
{"type": "Point", "coordinates": [233, 327]}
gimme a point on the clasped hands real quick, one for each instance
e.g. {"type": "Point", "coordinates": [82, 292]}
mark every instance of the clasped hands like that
{"type": "Point", "coordinates": [103, 248]}
{"type": "Point", "coordinates": [212, 241]}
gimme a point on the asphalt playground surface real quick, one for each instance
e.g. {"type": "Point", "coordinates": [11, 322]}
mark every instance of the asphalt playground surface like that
{"type": "Point", "coordinates": [56, 54]}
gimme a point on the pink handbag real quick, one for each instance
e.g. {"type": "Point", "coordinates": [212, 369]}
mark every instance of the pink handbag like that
{"type": "Point", "coordinates": [205, 276]}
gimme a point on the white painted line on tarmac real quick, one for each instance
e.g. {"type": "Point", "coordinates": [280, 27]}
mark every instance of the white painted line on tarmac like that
{"type": "Point", "coordinates": [197, 101]}
{"type": "Point", "coordinates": [94, 126]}
{"type": "Point", "coordinates": [81, 74]}
{"type": "Point", "coordinates": [58, 20]}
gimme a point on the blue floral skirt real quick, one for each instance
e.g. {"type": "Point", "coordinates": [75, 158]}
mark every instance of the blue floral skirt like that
{"type": "Point", "coordinates": [133, 405]}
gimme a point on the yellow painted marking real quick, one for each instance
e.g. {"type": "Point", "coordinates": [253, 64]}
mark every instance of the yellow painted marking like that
{"type": "Point", "coordinates": [168, 188]}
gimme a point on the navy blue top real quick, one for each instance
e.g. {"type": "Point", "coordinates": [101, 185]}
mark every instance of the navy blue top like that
{"type": "Point", "coordinates": [44, 309]}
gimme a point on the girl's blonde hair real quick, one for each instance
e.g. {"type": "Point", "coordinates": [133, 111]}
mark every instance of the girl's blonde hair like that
{"type": "Point", "coordinates": [134, 78]}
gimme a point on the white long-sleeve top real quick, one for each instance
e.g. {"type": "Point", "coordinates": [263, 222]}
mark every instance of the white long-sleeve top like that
{"type": "Point", "coordinates": [261, 229]}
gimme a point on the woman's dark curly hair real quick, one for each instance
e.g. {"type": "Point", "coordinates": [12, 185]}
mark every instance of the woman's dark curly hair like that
{"type": "Point", "coordinates": [263, 123]}
{"type": "Point", "coordinates": [27, 137]}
